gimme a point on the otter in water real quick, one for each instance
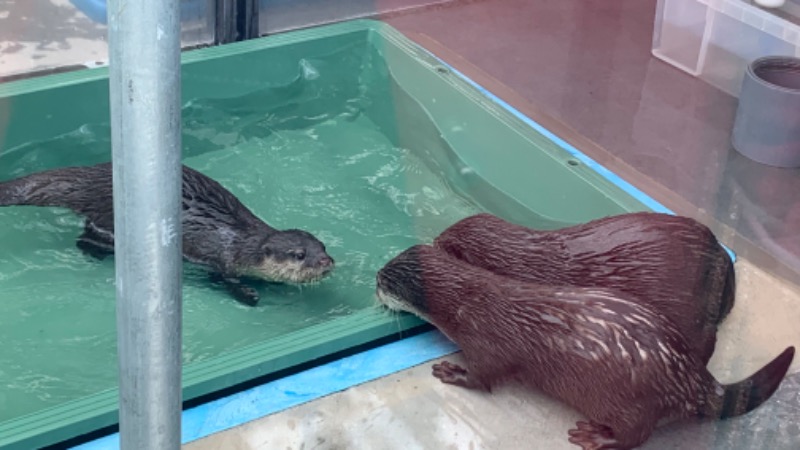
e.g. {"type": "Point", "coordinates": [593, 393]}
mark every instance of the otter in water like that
{"type": "Point", "coordinates": [218, 230]}
{"type": "Point", "coordinates": [670, 262]}
{"type": "Point", "coordinates": [621, 363]}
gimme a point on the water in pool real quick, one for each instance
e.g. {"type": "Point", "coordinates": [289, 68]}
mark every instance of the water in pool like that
{"type": "Point", "coordinates": [312, 154]}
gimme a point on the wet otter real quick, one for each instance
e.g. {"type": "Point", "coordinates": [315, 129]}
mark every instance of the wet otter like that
{"type": "Point", "coordinates": [621, 363]}
{"type": "Point", "coordinates": [218, 230]}
{"type": "Point", "coordinates": [670, 262]}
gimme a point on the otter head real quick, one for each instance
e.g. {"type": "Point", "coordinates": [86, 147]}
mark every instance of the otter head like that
{"type": "Point", "coordinates": [401, 282]}
{"type": "Point", "coordinates": [293, 256]}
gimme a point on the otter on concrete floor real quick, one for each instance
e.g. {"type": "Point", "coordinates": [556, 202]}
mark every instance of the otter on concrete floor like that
{"type": "Point", "coordinates": [621, 363]}
{"type": "Point", "coordinates": [218, 230]}
{"type": "Point", "coordinates": [671, 262]}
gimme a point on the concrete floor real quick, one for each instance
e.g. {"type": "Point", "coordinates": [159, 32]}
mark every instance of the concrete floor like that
{"type": "Point", "coordinates": [587, 63]}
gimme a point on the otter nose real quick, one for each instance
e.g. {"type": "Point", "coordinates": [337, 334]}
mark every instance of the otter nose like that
{"type": "Point", "coordinates": [326, 261]}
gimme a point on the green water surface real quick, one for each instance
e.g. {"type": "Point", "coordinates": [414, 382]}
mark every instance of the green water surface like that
{"type": "Point", "coordinates": [343, 154]}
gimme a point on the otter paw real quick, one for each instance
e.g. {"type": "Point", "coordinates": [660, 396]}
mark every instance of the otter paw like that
{"type": "Point", "coordinates": [593, 436]}
{"type": "Point", "coordinates": [247, 295]}
{"type": "Point", "coordinates": [243, 293]}
{"type": "Point", "coordinates": [92, 250]}
{"type": "Point", "coordinates": [451, 373]}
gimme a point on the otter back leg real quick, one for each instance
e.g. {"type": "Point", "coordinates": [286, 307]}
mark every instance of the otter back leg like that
{"type": "Point", "coordinates": [93, 243]}
{"type": "Point", "coordinates": [243, 293]}
{"type": "Point", "coordinates": [592, 436]}
{"type": "Point", "coordinates": [620, 436]}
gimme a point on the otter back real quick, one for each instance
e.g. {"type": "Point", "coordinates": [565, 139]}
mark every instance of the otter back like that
{"type": "Point", "coordinates": [670, 262]}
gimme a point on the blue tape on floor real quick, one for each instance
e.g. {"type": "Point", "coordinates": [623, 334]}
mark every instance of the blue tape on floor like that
{"type": "Point", "coordinates": [302, 387]}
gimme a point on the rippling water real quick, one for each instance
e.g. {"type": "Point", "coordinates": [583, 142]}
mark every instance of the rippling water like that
{"type": "Point", "coordinates": [305, 155]}
{"type": "Point", "coordinates": [341, 151]}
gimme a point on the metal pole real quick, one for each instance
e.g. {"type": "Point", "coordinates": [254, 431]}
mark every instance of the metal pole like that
{"type": "Point", "coordinates": [145, 88]}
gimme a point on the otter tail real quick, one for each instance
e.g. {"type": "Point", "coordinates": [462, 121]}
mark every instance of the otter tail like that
{"type": "Point", "coordinates": [70, 187]}
{"type": "Point", "coordinates": [740, 398]}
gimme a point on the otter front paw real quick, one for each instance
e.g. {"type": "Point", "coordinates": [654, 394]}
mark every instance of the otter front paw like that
{"type": "Point", "coordinates": [246, 295]}
{"type": "Point", "coordinates": [241, 292]}
{"type": "Point", "coordinates": [593, 436]}
{"type": "Point", "coordinates": [451, 373]}
{"type": "Point", "coordinates": [92, 250]}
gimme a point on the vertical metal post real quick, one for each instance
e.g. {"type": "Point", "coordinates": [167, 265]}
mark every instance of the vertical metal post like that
{"type": "Point", "coordinates": [145, 88]}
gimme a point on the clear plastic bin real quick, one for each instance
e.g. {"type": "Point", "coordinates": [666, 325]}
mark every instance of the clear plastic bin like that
{"type": "Point", "coordinates": [716, 39]}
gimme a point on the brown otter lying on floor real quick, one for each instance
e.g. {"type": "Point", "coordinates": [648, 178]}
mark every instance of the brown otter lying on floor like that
{"type": "Point", "coordinates": [218, 230]}
{"type": "Point", "coordinates": [672, 263]}
{"type": "Point", "coordinates": [621, 363]}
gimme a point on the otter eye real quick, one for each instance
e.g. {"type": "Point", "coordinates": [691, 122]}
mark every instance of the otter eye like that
{"type": "Point", "coordinates": [298, 254]}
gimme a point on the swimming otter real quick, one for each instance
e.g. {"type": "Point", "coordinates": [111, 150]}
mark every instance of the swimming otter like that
{"type": "Point", "coordinates": [670, 262]}
{"type": "Point", "coordinates": [218, 230]}
{"type": "Point", "coordinates": [621, 363]}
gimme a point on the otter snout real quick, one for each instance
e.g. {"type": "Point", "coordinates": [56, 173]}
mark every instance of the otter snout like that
{"type": "Point", "coordinates": [379, 284]}
{"type": "Point", "coordinates": [401, 282]}
{"type": "Point", "coordinates": [318, 268]}
{"type": "Point", "coordinates": [385, 296]}
{"type": "Point", "coordinates": [326, 262]}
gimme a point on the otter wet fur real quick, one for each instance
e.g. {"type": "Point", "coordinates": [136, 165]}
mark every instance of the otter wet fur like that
{"type": "Point", "coordinates": [219, 232]}
{"type": "Point", "coordinates": [621, 363]}
{"type": "Point", "coordinates": [671, 262]}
